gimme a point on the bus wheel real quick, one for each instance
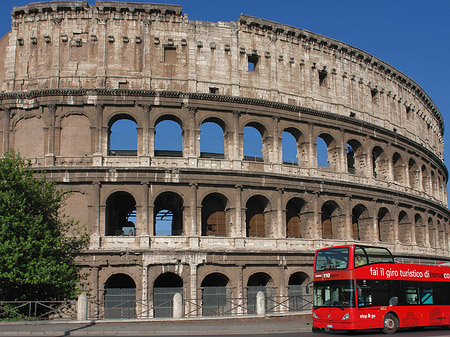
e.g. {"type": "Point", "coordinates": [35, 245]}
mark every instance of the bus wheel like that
{"type": "Point", "coordinates": [390, 324]}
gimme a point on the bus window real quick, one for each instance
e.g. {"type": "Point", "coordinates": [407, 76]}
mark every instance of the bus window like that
{"type": "Point", "coordinates": [334, 294]}
{"type": "Point", "coordinates": [426, 296]}
{"type": "Point", "coordinates": [332, 258]}
{"type": "Point", "coordinates": [412, 295]}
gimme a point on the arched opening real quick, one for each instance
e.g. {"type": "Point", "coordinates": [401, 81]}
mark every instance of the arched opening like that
{"type": "Point", "coordinates": [379, 163]}
{"type": "Point", "coordinates": [404, 228]}
{"type": "Point", "coordinates": [399, 168]}
{"type": "Point", "coordinates": [330, 215]}
{"type": "Point", "coordinates": [425, 180]}
{"type": "Point", "coordinates": [434, 185]}
{"type": "Point", "coordinates": [168, 138]}
{"type": "Point", "coordinates": [414, 176]}
{"type": "Point", "coordinates": [289, 146]}
{"type": "Point", "coordinates": [253, 142]}
{"type": "Point", "coordinates": [211, 140]}
{"type": "Point", "coordinates": [258, 282]}
{"type": "Point", "coordinates": [165, 287]}
{"type": "Point", "coordinates": [168, 215]}
{"type": "Point", "coordinates": [122, 136]}
{"type": "Point", "coordinates": [294, 219]}
{"type": "Point", "coordinates": [384, 221]}
{"type": "Point", "coordinates": [355, 157]}
{"type": "Point", "coordinates": [120, 215]}
{"type": "Point", "coordinates": [255, 216]}
{"type": "Point", "coordinates": [441, 236]}
{"type": "Point", "coordinates": [120, 297]}
{"type": "Point", "coordinates": [361, 223]}
{"type": "Point", "coordinates": [215, 292]}
{"type": "Point", "coordinates": [298, 290]}
{"type": "Point", "coordinates": [214, 217]}
{"type": "Point", "coordinates": [420, 230]}
{"type": "Point", "coordinates": [432, 233]}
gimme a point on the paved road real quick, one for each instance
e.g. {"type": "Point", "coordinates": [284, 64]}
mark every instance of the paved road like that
{"type": "Point", "coordinates": [158, 327]}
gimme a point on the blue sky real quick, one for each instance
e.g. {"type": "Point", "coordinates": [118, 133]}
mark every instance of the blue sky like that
{"type": "Point", "coordinates": [411, 35]}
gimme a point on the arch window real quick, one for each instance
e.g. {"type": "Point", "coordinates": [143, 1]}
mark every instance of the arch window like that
{"type": "Point", "coordinates": [164, 288]}
{"type": "Point", "coordinates": [168, 138]}
{"type": "Point", "coordinates": [258, 282]}
{"type": "Point", "coordinates": [327, 152]}
{"type": "Point", "coordinates": [379, 163]}
{"type": "Point", "coordinates": [399, 168]}
{"type": "Point", "coordinates": [120, 297]}
{"type": "Point", "coordinates": [253, 143]}
{"type": "Point", "coordinates": [297, 290]}
{"type": "Point", "coordinates": [361, 223]}
{"type": "Point", "coordinates": [168, 213]}
{"type": "Point", "coordinates": [384, 221]}
{"type": "Point", "coordinates": [214, 217]}
{"type": "Point", "coordinates": [420, 230]}
{"type": "Point", "coordinates": [425, 179]}
{"type": "Point", "coordinates": [294, 219]}
{"type": "Point", "coordinates": [255, 215]}
{"type": "Point", "coordinates": [215, 292]}
{"type": "Point", "coordinates": [289, 147]}
{"type": "Point", "coordinates": [120, 214]}
{"type": "Point", "coordinates": [123, 136]}
{"type": "Point", "coordinates": [355, 157]}
{"type": "Point", "coordinates": [404, 226]}
{"type": "Point", "coordinates": [414, 177]}
{"type": "Point", "coordinates": [211, 140]}
{"type": "Point", "coordinates": [330, 220]}
{"type": "Point", "coordinates": [432, 233]}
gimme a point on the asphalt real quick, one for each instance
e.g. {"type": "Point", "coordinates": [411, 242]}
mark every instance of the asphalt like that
{"type": "Point", "coordinates": [152, 327]}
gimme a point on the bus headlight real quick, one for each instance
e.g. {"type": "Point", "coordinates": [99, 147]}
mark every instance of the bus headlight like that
{"type": "Point", "coordinates": [345, 317]}
{"type": "Point", "coordinates": [315, 315]}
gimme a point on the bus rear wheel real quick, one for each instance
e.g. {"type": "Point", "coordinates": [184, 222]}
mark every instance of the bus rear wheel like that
{"type": "Point", "coordinates": [390, 324]}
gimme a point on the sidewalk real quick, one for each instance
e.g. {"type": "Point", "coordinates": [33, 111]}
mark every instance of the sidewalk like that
{"type": "Point", "coordinates": [147, 327]}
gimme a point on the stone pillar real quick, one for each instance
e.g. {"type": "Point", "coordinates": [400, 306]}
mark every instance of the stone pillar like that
{"type": "Point", "coordinates": [191, 142]}
{"type": "Point", "coordinates": [82, 307]}
{"type": "Point", "coordinates": [50, 153]}
{"type": "Point", "coordinates": [348, 225]}
{"type": "Point", "coordinates": [145, 142]}
{"type": "Point", "coordinates": [144, 230]}
{"type": "Point", "coordinates": [280, 230]}
{"type": "Point", "coordinates": [375, 228]}
{"type": "Point", "coordinates": [97, 157]}
{"type": "Point", "coordinates": [95, 237]}
{"type": "Point", "coordinates": [390, 169]}
{"type": "Point", "coordinates": [260, 304]}
{"type": "Point", "coordinates": [342, 150]}
{"type": "Point", "coordinates": [145, 305]}
{"type": "Point", "coordinates": [277, 143]}
{"type": "Point", "coordinates": [178, 311]}
{"type": "Point", "coordinates": [238, 231]}
{"type": "Point", "coordinates": [369, 164]}
{"type": "Point", "coordinates": [317, 221]}
{"type": "Point", "coordinates": [194, 228]}
{"type": "Point", "coordinates": [6, 118]}
{"type": "Point", "coordinates": [312, 147]}
{"type": "Point", "coordinates": [237, 149]}
{"type": "Point", "coordinates": [193, 277]}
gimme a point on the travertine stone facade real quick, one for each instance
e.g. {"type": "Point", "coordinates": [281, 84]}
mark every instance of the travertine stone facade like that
{"type": "Point", "coordinates": [70, 71]}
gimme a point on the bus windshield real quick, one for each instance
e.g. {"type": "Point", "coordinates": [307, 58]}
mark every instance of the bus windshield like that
{"type": "Point", "coordinates": [338, 293]}
{"type": "Point", "coordinates": [332, 258]}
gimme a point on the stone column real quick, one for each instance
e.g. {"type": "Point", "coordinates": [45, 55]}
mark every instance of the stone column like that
{"type": "Point", "coordinates": [191, 148]}
{"type": "Point", "coordinates": [97, 157]}
{"type": "Point", "coordinates": [194, 228]}
{"type": "Point", "coordinates": [375, 228]}
{"type": "Point", "coordinates": [145, 305]}
{"type": "Point", "coordinates": [50, 154]}
{"type": "Point", "coordinates": [6, 118]}
{"type": "Point", "coordinates": [317, 223]}
{"type": "Point", "coordinates": [193, 277]}
{"type": "Point", "coordinates": [238, 232]}
{"type": "Point", "coordinates": [280, 230]}
{"type": "Point", "coordinates": [144, 230]}
{"type": "Point", "coordinates": [145, 143]}
{"type": "Point", "coordinates": [348, 226]}
{"type": "Point", "coordinates": [342, 162]}
{"type": "Point", "coordinates": [237, 150]}
{"type": "Point", "coordinates": [95, 237]}
{"type": "Point", "coordinates": [312, 147]}
{"type": "Point", "coordinates": [277, 150]}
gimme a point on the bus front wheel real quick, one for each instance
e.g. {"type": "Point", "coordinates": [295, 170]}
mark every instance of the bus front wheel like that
{"type": "Point", "coordinates": [390, 325]}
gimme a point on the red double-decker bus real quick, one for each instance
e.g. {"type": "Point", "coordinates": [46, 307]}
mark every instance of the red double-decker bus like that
{"type": "Point", "coordinates": [361, 287]}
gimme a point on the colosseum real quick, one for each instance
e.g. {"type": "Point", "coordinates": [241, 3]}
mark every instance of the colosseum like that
{"type": "Point", "coordinates": [222, 212]}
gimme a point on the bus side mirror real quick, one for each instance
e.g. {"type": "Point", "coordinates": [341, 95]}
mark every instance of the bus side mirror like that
{"type": "Point", "coordinates": [393, 301]}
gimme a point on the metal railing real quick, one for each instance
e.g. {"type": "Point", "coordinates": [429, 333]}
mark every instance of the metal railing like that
{"type": "Point", "coordinates": [38, 310]}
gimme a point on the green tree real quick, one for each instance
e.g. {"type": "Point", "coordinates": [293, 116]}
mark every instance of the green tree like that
{"type": "Point", "coordinates": [37, 244]}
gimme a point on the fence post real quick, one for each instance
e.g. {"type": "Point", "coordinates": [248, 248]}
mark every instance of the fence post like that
{"type": "Point", "coordinates": [260, 304]}
{"type": "Point", "coordinates": [82, 306]}
{"type": "Point", "coordinates": [177, 306]}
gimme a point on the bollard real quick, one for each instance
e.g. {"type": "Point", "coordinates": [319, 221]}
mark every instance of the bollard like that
{"type": "Point", "coordinates": [82, 305]}
{"type": "Point", "coordinates": [260, 304]}
{"type": "Point", "coordinates": [178, 309]}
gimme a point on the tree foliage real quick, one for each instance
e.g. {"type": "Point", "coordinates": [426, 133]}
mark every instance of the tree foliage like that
{"type": "Point", "coordinates": [37, 244]}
